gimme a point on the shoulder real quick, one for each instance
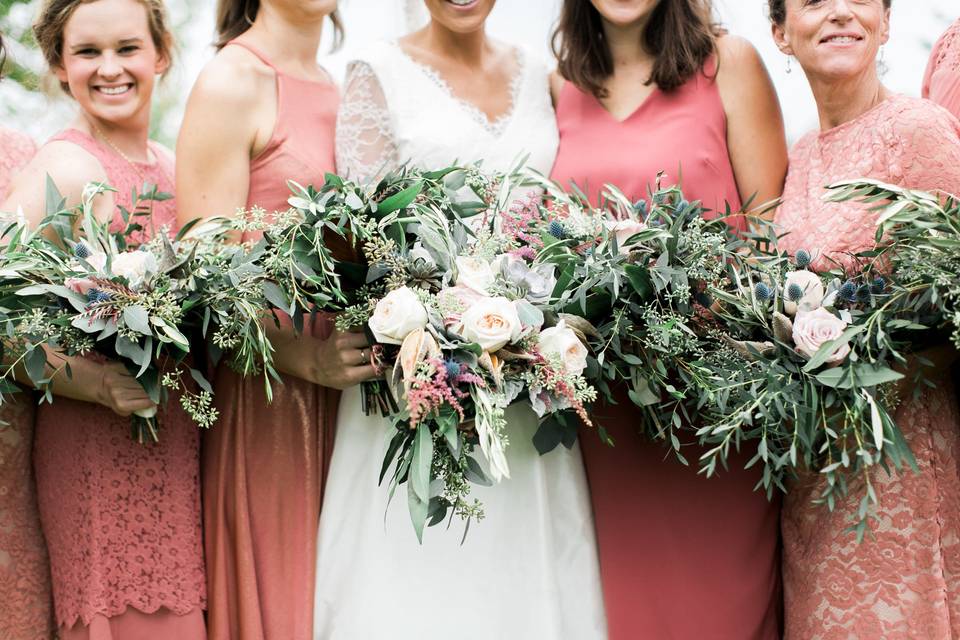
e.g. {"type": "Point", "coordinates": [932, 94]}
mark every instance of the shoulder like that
{"type": "Point", "coordinates": [738, 61]}
{"type": "Point", "coordinates": [70, 166]}
{"type": "Point", "coordinates": [802, 147]}
{"type": "Point", "coordinates": [16, 142]}
{"type": "Point", "coordinates": [556, 85]}
{"type": "Point", "coordinates": [914, 118]}
{"type": "Point", "coordinates": [234, 78]}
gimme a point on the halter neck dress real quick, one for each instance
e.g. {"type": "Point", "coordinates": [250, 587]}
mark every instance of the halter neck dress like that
{"type": "Point", "coordinates": [264, 463]}
{"type": "Point", "coordinates": [941, 82]}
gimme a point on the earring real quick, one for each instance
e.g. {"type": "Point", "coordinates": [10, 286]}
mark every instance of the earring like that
{"type": "Point", "coordinates": [789, 66]}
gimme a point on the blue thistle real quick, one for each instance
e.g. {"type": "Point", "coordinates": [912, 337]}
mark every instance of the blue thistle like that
{"type": "Point", "coordinates": [81, 251]}
{"type": "Point", "coordinates": [879, 285]}
{"type": "Point", "coordinates": [683, 204]}
{"type": "Point", "coordinates": [763, 291]}
{"type": "Point", "coordinates": [556, 230]}
{"type": "Point", "coordinates": [453, 368]}
{"type": "Point", "coordinates": [848, 292]}
{"type": "Point", "coordinates": [863, 294]}
{"type": "Point", "coordinates": [640, 206]}
{"type": "Point", "coordinates": [95, 296]}
{"type": "Point", "coordinates": [803, 258]}
{"type": "Point", "coordinates": [794, 292]}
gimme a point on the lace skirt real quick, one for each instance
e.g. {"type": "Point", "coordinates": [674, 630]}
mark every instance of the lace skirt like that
{"type": "Point", "coordinates": [121, 519]}
{"type": "Point", "coordinates": [904, 580]}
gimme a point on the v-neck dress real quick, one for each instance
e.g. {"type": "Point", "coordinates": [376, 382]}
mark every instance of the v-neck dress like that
{"type": "Point", "coordinates": [681, 555]}
{"type": "Point", "coordinates": [529, 568]}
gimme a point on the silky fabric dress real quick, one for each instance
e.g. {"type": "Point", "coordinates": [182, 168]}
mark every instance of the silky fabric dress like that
{"type": "Point", "coordinates": [941, 82]}
{"type": "Point", "coordinates": [122, 519]}
{"type": "Point", "coordinates": [26, 604]}
{"type": "Point", "coordinates": [264, 463]}
{"type": "Point", "coordinates": [529, 568]}
{"type": "Point", "coordinates": [682, 556]}
{"type": "Point", "coordinates": [903, 581]}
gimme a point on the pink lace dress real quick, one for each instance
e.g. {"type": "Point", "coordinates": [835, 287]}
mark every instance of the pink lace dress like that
{"type": "Point", "coordinates": [941, 82]}
{"type": "Point", "coordinates": [121, 519]}
{"type": "Point", "coordinates": [26, 608]}
{"type": "Point", "coordinates": [905, 581]}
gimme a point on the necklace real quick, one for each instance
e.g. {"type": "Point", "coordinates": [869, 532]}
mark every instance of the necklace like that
{"type": "Point", "coordinates": [133, 165]}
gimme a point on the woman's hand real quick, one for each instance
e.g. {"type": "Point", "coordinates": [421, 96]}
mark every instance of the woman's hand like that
{"type": "Point", "coordinates": [339, 362]}
{"type": "Point", "coordinates": [120, 391]}
{"type": "Point", "coordinates": [342, 361]}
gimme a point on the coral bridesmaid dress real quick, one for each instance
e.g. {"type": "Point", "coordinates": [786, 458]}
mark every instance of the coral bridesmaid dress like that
{"type": "Point", "coordinates": [941, 82]}
{"type": "Point", "coordinates": [264, 464]}
{"type": "Point", "coordinates": [122, 519]}
{"type": "Point", "coordinates": [904, 580]}
{"type": "Point", "coordinates": [681, 556]}
{"type": "Point", "coordinates": [26, 607]}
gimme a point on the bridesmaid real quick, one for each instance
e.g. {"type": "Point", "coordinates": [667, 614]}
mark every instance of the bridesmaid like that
{"type": "Point", "coordinates": [26, 611]}
{"type": "Point", "coordinates": [941, 82]}
{"type": "Point", "coordinates": [265, 464]}
{"type": "Point", "coordinates": [121, 519]}
{"type": "Point", "coordinates": [647, 86]}
{"type": "Point", "coordinates": [903, 581]}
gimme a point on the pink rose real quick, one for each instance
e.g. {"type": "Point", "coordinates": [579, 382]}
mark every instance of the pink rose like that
{"type": "Point", "coordinates": [79, 285]}
{"type": "Point", "coordinates": [623, 230]}
{"type": "Point", "coordinates": [813, 329]}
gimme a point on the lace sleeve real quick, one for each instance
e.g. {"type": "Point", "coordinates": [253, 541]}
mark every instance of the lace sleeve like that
{"type": "Point", "coordinates": [930, 140]}
{"type": "Point", "coordinates": [366, 144]}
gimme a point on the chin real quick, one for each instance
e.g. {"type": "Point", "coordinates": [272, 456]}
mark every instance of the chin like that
{"type": "Point", "coordinates": [623, 13]}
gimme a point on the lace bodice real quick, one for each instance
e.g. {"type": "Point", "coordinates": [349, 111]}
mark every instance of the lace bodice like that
{"type": "Point", "coordinates": [16, 150]}
{"type": "Point", "coordinates": [941, 82]}
{"type": "Point", "coordinates": [395, 110]}
{"type": "Point", "coordinates": [904, 141]}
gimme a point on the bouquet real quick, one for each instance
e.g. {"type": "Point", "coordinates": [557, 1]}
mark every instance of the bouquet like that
{"type": "Point", "coordinates": [806, 368]}
{"type": "Point", "coordinates": [107, 293]}
{"type": "Point", "coordinates": [640, 272]}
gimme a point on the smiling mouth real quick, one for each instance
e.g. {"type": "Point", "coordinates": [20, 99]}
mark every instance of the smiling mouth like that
{"type": "Point", "coordinates": [462, 3]}
{"type": "Point", "coordinates": [115, 91]}
{"type": "Point", "coordinates": [841, 39]}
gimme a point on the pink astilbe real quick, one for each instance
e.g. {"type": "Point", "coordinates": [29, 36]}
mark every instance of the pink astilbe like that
{"type": "Point", "coordinates": [429, 391]}
{"type": "Point", "coordinates": [521, 221]}
{"type": "Point", "coordinates": [555, 381]}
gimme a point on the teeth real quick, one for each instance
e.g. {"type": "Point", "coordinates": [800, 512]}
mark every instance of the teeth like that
{"type": "Point", "coordinates": [841, 39]}
{"type": "Point", "coordinates": [114, 91]}
{"type": "Point", "coordinates": [461, 3]}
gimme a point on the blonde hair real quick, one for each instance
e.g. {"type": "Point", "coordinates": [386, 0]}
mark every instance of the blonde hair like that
{"type": "Point", "coordinates": [49, 27]}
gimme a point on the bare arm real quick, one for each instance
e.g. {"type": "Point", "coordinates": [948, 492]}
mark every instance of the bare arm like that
{"type": "Point", "coordinates": [556, 84]}
{"type": "Point", "coordinates": [755, 134]}
{"type": "Point", "coordinates": [213, 179]}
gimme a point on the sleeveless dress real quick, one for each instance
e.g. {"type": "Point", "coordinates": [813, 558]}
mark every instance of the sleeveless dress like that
{"type": "Point", "coordinates": [904, 581]}
{"type": "Point", "coordinates": [26, 605]}
{"type": "Point", "coordinates": [122, 519]}
{"type": "Point", "coordinates": [529, 568]}
{"type": "Point", "coordinates": [941, 82]}
{"type": "Point", "coordinates": [264, 464]}
{"type": "Point", "coordinates": [670, 540]}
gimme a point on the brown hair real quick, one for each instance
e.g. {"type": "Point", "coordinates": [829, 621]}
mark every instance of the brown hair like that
{"type": "Point", "coordinates": [234, 17]}
{"type": "Point", "coordinates": [681, 34]}
{"type": "Point", "coordinates": [778, 9]}
{"type": "Point", "coordinates": [49, 27]}
{"type": "Point", "coordinates": [3, 55]}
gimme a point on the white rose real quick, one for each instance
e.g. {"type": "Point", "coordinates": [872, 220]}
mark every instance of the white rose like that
{"type": "Point", "coordinates": [562, 341]}
{"type": "Point", "coordinates": [813, 292]}
{"type": "Point", "coordinates": [813, 329]}
{"type": "Point", "coordinates": [136, 266]}
{"type": "Point", "coordinates": [97, 260]}
{"type": "Point", "coordinates": [492, 323]}
{"type": "Point", "coordinates": [475, 274]}
{"type": "Point", "coordinates": [623, 230]}
{"type": "Point", "coordinates": [396, 315]}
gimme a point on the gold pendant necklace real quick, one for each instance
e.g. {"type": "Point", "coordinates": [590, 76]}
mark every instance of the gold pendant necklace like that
{"type": "Point", "coordinates": [133, 165]}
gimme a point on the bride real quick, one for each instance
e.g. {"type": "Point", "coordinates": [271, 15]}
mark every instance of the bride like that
{"type": "Point", "coordinates": [444, 94]}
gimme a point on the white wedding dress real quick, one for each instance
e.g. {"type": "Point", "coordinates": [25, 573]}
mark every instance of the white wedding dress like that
{"type": "Point", "coordinates": [528, 570]}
